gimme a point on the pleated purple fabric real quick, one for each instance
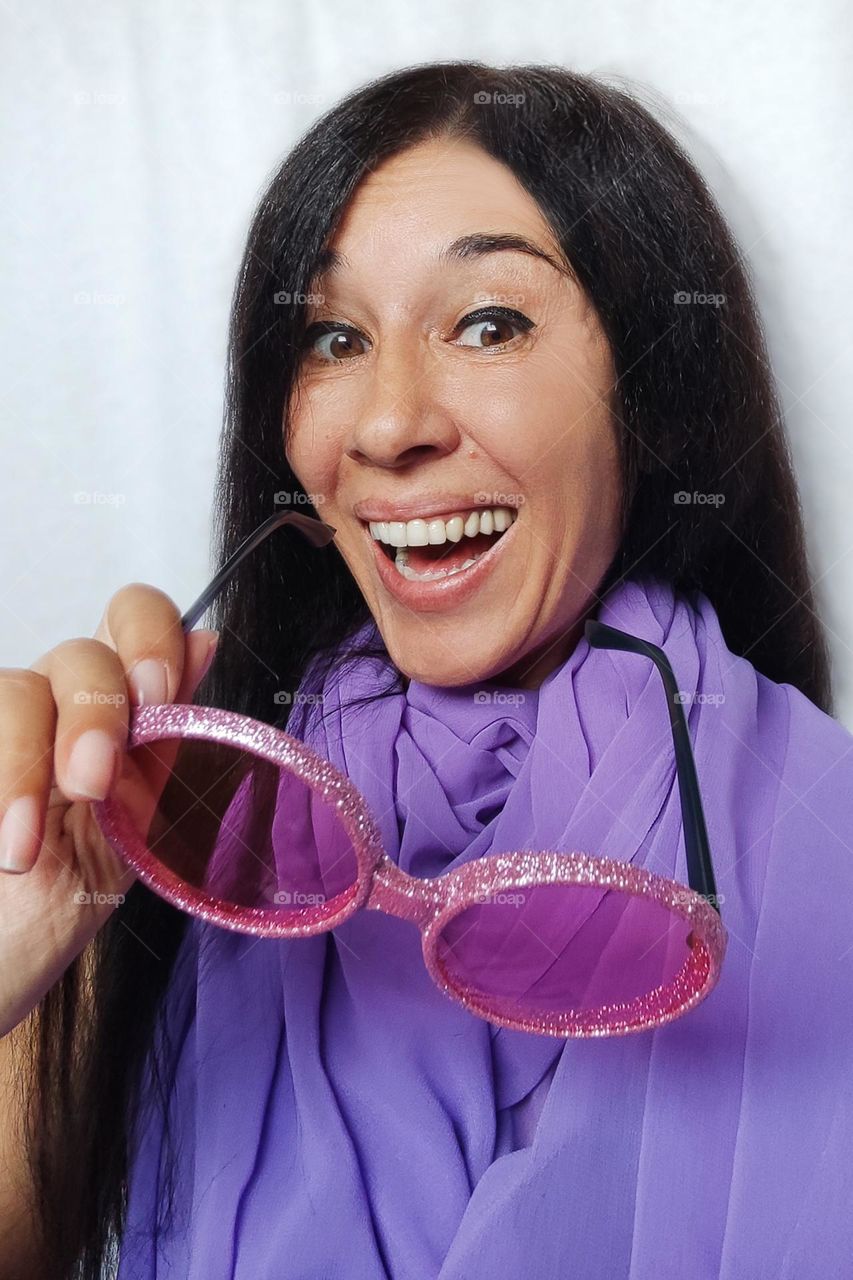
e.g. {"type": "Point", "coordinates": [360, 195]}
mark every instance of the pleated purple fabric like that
{"type": "Point", "coordinates": [337, 1118]}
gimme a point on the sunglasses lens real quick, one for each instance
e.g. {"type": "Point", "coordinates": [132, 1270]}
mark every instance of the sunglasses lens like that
{"type": "Point", "coordinates": [238, 827]}
{"type": "Point", "coordinates": [543, 951]}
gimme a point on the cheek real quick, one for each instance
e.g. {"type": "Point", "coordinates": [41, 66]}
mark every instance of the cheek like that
{"type": "Point", "coordinates": [570, 433]}
{"type": "Point", "coordinates": [313, 454]}
{"type": "Point", "coordinates": [330, 407]}
{"type": "Point", "coordinates": [550, 429]}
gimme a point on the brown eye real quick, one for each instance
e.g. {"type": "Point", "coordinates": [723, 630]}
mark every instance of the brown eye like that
{"type": "Point", "coordinates": [492, 327]}
{"type": "Point", "coordinates": [333, 343]}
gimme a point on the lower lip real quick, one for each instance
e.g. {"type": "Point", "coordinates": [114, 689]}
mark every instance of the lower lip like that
{"type": "Point", "coordinates": [439, 593]}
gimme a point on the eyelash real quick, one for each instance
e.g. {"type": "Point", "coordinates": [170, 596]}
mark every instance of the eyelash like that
{"type": "Point", "coordinates": [323, 327]}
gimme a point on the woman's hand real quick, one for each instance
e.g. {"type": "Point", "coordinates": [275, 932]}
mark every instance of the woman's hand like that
{"type": "Point", "coordinates": [63, 734]}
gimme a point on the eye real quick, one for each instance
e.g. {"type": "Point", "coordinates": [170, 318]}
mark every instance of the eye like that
{"type": "Point", "coordinates": [493, 323]}
{"type": "Point", "coordinates": [332, 342]}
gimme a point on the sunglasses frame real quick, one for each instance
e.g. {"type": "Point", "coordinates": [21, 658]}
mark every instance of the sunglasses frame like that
{"type": "Point", "coordinates": [430, 904]}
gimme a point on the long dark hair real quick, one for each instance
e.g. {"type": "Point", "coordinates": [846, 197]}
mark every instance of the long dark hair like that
{"type": "Point", "coordinates": [698, 413]}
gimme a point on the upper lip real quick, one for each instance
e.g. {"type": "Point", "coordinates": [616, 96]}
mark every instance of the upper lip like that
{"type": "Point", "coordinates": [422, 508]}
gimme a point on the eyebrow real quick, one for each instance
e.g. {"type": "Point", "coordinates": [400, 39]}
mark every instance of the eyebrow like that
{"type": "Point", "coordinates": [475, 245]}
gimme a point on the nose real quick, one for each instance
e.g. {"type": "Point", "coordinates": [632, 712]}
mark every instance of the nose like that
{"type": "Point", "coordinates": [401, 419]}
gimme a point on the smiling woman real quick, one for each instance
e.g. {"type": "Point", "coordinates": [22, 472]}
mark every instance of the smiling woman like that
{"type": "Point", "coordinates": [411, 403]}
{"type": "Point", "coordinates": [471, 333]}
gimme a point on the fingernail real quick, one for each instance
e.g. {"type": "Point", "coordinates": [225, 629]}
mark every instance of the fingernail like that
{"type": "Point", "coordinates": [148, 682]}
{"type": "Point", "coordinates": [91, 764]}
{"type": "Point", "coordinates": [18, 834]}
{"type": "Point", "coordinates": [209, 656]}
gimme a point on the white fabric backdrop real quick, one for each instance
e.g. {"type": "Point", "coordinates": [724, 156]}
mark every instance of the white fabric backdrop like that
{"type": "Point", "coordinates": [134, 141]}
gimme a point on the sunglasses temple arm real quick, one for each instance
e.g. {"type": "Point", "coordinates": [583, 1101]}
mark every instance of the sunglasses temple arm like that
{"type": "Point", "coordinates": [700, 870]}
{"type": "Point", "coordinates": [317, 532]}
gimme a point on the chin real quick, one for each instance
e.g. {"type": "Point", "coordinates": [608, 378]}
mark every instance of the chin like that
{"type": "Point", "coordinates": [442, 669]}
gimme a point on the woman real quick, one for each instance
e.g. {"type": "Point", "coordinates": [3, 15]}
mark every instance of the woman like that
{"type": "Point", "coordinates": [467, 289]}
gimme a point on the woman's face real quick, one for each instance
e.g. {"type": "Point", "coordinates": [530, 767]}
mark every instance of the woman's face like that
{"type": "Point", "coordinates": [412, 418]}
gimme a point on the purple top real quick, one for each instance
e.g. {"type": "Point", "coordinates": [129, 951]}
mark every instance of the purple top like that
{"type": "Point", "coordinates": [337, 1117]}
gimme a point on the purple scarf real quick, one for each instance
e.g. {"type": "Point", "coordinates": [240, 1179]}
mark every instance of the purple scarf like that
{"type": "Point", "coordinates": [338, 1118]}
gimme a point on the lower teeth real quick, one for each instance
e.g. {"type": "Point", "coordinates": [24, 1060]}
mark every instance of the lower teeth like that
{"type": "Point", "coordinates": [402, 565]}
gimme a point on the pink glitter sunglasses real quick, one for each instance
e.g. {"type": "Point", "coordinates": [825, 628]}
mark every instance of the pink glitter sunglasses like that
{"type": "Point", "coordinates": [270, 839]}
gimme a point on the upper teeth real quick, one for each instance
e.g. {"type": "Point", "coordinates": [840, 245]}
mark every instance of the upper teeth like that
{"type": "Point", "coordinates": [422, 533]}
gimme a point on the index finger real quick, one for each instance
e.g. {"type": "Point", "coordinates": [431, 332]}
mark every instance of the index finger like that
{"type": "Point", "coordinates": [143, 625]}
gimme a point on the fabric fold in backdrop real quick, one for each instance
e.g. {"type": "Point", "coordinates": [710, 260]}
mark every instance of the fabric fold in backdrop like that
{"type": "Point", "coordinates": [336, 1116]}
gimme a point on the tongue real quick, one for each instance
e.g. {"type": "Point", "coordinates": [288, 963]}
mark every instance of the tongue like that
{"type": "Point", "coordinates": [449, 555]}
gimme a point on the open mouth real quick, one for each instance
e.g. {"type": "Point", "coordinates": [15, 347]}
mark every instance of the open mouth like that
{"type": "Point", "coordinates": [424, 550]}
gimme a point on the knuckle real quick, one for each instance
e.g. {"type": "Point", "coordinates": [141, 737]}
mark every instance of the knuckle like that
{"type": "Point", "coordinates": [25, 770]}
{"type": "Point", "coordinates": [83, 652]}
{"type": "Point", "coordinates": [28, 725]}
{"type": "Point", "coordinates": [24, 681]}
{"type": "Point", "coordinates": [84, 677]}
